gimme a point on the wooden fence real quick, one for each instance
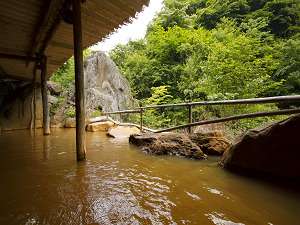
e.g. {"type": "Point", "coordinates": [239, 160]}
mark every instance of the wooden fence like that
{"type": "Point", "coordinates": [190, 105]}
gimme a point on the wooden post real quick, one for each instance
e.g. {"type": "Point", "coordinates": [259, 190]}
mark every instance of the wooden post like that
{"type": "Point", "coordinates": [190, 117]}
{"type": "Point", "coordinates": [79, 81]}
{"type": "Point", "coordinates": [46, 118]}
{"type": "Point", "coordinates": [33, 101]}
{"type": "Point", "coordinates": [141, 119]}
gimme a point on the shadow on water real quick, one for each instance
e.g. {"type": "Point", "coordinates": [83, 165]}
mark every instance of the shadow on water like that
{"type": "Point", "coordinates": [43, 184]}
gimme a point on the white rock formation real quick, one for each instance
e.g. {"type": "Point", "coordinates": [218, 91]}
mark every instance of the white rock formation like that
{"type": "Point", "coordinates": [105, 86]}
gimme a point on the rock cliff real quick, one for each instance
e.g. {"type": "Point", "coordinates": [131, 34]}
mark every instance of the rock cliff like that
{"type": "Point", "coordinates": [105, 86]}
{"type": "Point", "coordinates": [106, 90]}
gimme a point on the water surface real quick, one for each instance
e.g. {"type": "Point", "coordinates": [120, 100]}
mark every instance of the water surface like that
{"type": "Point", "coordinates": [41, 183]}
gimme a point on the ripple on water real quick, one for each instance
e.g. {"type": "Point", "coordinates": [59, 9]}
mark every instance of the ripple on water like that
{"type": "Point", "coordinates": [220, 219]}
{"type": "Point", "coordinates": [193, 196]}
{"type": "Point", "coordinates": [216, 192]}
{"type": "Point", "coordinates": [124, 195]}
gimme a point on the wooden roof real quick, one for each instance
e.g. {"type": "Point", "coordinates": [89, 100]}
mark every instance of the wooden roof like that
{"type": "Point", "coordinates": [35, 27]}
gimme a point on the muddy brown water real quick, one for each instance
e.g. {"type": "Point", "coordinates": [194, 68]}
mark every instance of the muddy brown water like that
{"type": "Point", "coordinates": [41, 183]}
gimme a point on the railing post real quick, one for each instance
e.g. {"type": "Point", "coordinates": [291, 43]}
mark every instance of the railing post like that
{"type": "Point", "coordinates": [141, 119]}
{"type": "Point", "coordinates": [190, 117]}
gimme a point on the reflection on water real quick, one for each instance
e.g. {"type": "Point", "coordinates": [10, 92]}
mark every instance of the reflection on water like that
{"type": "Point", "coordinates": [41, 183]}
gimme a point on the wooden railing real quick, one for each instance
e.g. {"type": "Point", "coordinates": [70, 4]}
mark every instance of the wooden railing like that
{"type": "Point", "coordinates": [190, 105]}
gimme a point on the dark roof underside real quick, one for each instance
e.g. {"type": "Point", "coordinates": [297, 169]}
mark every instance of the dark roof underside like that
{"type": "Point", "coordinates": [34, 26]}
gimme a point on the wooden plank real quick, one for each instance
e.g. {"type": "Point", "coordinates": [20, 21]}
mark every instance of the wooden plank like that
{"type": "Point", "coordinates": [79, 81]}
{"type": "Point", "coordinates": [46, 118]}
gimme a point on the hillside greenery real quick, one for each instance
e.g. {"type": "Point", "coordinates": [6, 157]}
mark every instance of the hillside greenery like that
{"type": "Point", "coordinates": [213, 50]}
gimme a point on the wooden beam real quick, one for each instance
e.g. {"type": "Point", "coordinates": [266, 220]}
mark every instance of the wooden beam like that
{"type": "Point", "coordinates": [49, 20]}
{"type": "Point", "coordinates": [18, 57]}
{"type": "Point", "coordinates": [46, 118]}
{"type": "Point", "coordinates": [79, 81]}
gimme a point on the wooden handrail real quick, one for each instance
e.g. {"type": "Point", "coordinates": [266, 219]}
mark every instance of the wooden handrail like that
{"type": "Point", "coordinates": [190, 105]}
{"type": "Point", "coordinates": [290, 98]}
{"type": "Point", "coordinates": [230, 118]}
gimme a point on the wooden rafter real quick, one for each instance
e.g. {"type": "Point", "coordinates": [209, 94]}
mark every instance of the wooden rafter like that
{"type": "Point", "coordinates": [50, 18]}
{"type": "Point", "coordinates": [18, 57]}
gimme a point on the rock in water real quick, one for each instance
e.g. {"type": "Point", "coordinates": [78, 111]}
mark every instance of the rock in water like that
{"type": "Point", "coordinates": [106, 88]}
{"type": "Point", "coordinates": [168, 144]}
{"type": "Point", "coordinates": [122, 131]}
{"type": "Point", "coordinates": [274, 150]}
{"type": "Point", "coordinates": [100, 126]}
{"type": "Point", "coordinates": [211, 143]}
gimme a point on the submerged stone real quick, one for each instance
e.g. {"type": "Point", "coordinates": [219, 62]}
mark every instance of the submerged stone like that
{"type": "Point", "coordinates": [168, 144]}
{"type": "Point", "coordinates": [274, 150]}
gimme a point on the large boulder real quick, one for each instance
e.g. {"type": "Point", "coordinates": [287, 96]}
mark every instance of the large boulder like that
{"type": "Point", "coordinates": [211, 143]}
{"type": "Point", "coordinates": [274, 150]}
{"type": "Point", "coordinates": [123, 131]}
{"type": "Point", "coordinates": [168, 144]}
{"type": "Point", "coordinates": [100, 126]}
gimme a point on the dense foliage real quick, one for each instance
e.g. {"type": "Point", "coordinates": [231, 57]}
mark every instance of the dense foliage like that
{"type": "Point", "coordinates": [215, 49]}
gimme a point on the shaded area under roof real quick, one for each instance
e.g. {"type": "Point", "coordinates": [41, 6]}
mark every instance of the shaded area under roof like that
{"type": "Point", "coordinates": [34, 27]}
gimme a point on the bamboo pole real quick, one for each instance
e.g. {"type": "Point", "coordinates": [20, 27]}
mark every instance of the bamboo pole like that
{"type": "Point", "coordinates": [238, 117]}
{"type": "Point", "coordinates": [79, 81]}
{"type": "Point", "coordinates": [46, 118]}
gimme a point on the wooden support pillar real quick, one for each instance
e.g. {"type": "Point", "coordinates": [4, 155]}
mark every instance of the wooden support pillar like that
{"type": "Point", "coordinates": [79, 81]}
{"type": "Point", "coordinates": [46, 118]}
{"type": "Point", "coordinates": [190, 117]}
{"type": "Point", "coordinates": [33, 101]}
